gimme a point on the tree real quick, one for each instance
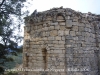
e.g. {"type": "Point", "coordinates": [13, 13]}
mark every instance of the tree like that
{"type": "Point", "coordinates": [9, 9]}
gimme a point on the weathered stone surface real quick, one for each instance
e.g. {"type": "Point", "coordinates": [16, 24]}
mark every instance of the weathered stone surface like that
{"type": "Point", "coordinates": [78, 33]}
{"type": "Point", "coordinates": [57, 27]}
{"type": "Point", "coordinates": [66, 32]}
{"type": "Point", "coordinates": [62, 38]}
{"type": "Point", "coordinates": [72, 33]}
{"type": "Point", "coordinates": [55, 42]}
{"type": "Point", "coordinates": [53, 33]}
{"type": "Point", "coordinates": [69, 23]}
{"type": "Point", "coordinates": [60, 18]}
{"type": "Point", "coordinates": [62, 23]}
{"type": "Point", "coordinates": [60, 33]}
{"type": "Point", "coordinates": [51, 27]}
{"type": "Point", "coordinates": [75, 28]}
{"type": "Point", "coordinates": [28, 28]}
{"type": "Point", "coordinates": [61, 42]}
{"type": "Point", "coordinates": [58, 38]}
{"type": "Point", "coordinates": [50, 38]}
{"type": "Point", "coordinates": [55, 23]}
{"type": "Point", "coordinates": [62, 28]}
{"type": "Point", "coordinates": [81, 28]}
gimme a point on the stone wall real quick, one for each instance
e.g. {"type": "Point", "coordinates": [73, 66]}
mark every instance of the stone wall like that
{"type": "Point", "coordinates": [61, 38]}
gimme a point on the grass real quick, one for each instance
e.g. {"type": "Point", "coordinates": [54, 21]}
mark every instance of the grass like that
{"type": "Point", "coordinates": [17, 61]}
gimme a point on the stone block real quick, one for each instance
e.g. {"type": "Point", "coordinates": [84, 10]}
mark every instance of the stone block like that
{"type": "Point", "coordinates": [87, 34]}
{"type": "Point", "coordinates": [53, 33]}
{"type": "Point", "coordinates": [39, 58]}
{"type": "Point", "coordinates": [63, 38]}
{"type": "Point", "coordinates": [66, 32]}
{"type": "Point", "coordinates": [57, 27]}
{"type": "Point", "coordinates": [45, 28]}
{"type": "Point", "coordinates": [43, 33]}
{"type": "Point", "coordinates": [61, 55]}
{"type": "Point", "coordinates": [72, 33]}
{"type": "Point", "coordinates": [45, 38]}
{"type": "Point", "coordinates": [57, 51]}
{"type": "Point", "coordinates": [55, 42]}
{"type": "Point", "coordinates": [81, 38]}
{"type": "Point", "coordinates": [64, 51]}
{"type": "Point", "coordinates": [51, 27]}
{"type": "Point", "coordinates": [69, 37]}
{"type": "Point", "coordinates": [61, 63]}
{"type": "Point", "coordinates": [60, 33]}
{"type": "Point", "coordinates": [86, 29]}
{"type": "Point", "coordinates": [50, 44]}
{"type": "Point", "coordinates": [75, 28]}
{"type": "Point", "coordinates": [28, 29]}
{"type": "Point", "coordinates": [69, 23]}
{"type": "Point", "coordinates": [58, 38]}
{"type": "Point", "coordinates": [63, 73]}
{"type": "Point", "coordinates": [81, 28]}
{"type": "Point", "coordinates": [61, 42]}
{"type": "Point", "coordinates": [67, 17]}
{"type": "Point", "coordinates": [75, 20]}
{"type": "Point", "coordinates": [51, 38]}
{"type": "Point", "coordinates": [27, 46]}
{"type": "Point", "coordinates": [62, 28]}
{"type": "Point", "coordinates": [44, 25]}
{"type": "Point", "coordinates": [78, 33]}
{"type": "Point", "coordinates": [87, 25]}
{"type": "Point", "coordinates": [68, 45]}
{"type": "Point", "coordinates": [75, 23]}
{"type": "Point", "coordinates": [62, 23]}
{"type": "Point", "coordinates": [68, 13]}
{"type": "Point", "coordinates": [59, 46]}
{"type": "Point", "coordinates": [60, 18]}
{"type": "Point", "coordinates": [81, 24]}
{"type": "Point", "coordinates": [55, 23]}
{"type": "Point", "coordinates": [47, 34]}
{"type": "Point", "coordinates": [78, 73]}
{"type": "Point", "coordinates": [39, 55]}
{"type": "Point", "coordinates": [49, 18]}
{"type": "Point", "coordinates": [75, 38]}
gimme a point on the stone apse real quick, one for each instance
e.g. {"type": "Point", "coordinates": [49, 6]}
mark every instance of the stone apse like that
{"type": "Point", "coordinates": [61, 41]}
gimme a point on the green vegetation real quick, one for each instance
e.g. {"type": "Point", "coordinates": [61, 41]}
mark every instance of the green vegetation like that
{"type": "Point", "coordinates": [10, 21]}
{"type": "Point", "coordinates": [11, 73]}
{"type": "Point", "coordinates": [13, 64]}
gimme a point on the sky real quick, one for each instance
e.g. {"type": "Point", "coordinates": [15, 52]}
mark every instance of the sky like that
{"type": "Point", "coordinates": [84, 6]}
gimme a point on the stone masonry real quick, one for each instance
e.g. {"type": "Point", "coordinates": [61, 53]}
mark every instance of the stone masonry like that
{"type": "Point", "coordinates": [61, 41]}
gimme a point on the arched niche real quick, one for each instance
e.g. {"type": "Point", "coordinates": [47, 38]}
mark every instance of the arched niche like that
{"type": "Point", "coordinates": [60, 16]}
{"type": "Point", "coordinates": [44, 54]}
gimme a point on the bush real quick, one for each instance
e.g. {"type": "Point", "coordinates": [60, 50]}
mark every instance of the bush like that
{"type": "Point", "coordinates": [11, 73]}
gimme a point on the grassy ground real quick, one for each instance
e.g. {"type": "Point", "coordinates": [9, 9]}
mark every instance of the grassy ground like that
{"type": "Point", "coordinates": [17, 61]}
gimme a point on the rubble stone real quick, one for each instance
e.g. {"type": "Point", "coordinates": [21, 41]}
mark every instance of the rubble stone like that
{"type": "Point", "coordinates": [61, 38]}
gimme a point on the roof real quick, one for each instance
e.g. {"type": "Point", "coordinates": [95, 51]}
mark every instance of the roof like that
{"type": "Point", "coordinates": [54, 12]}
